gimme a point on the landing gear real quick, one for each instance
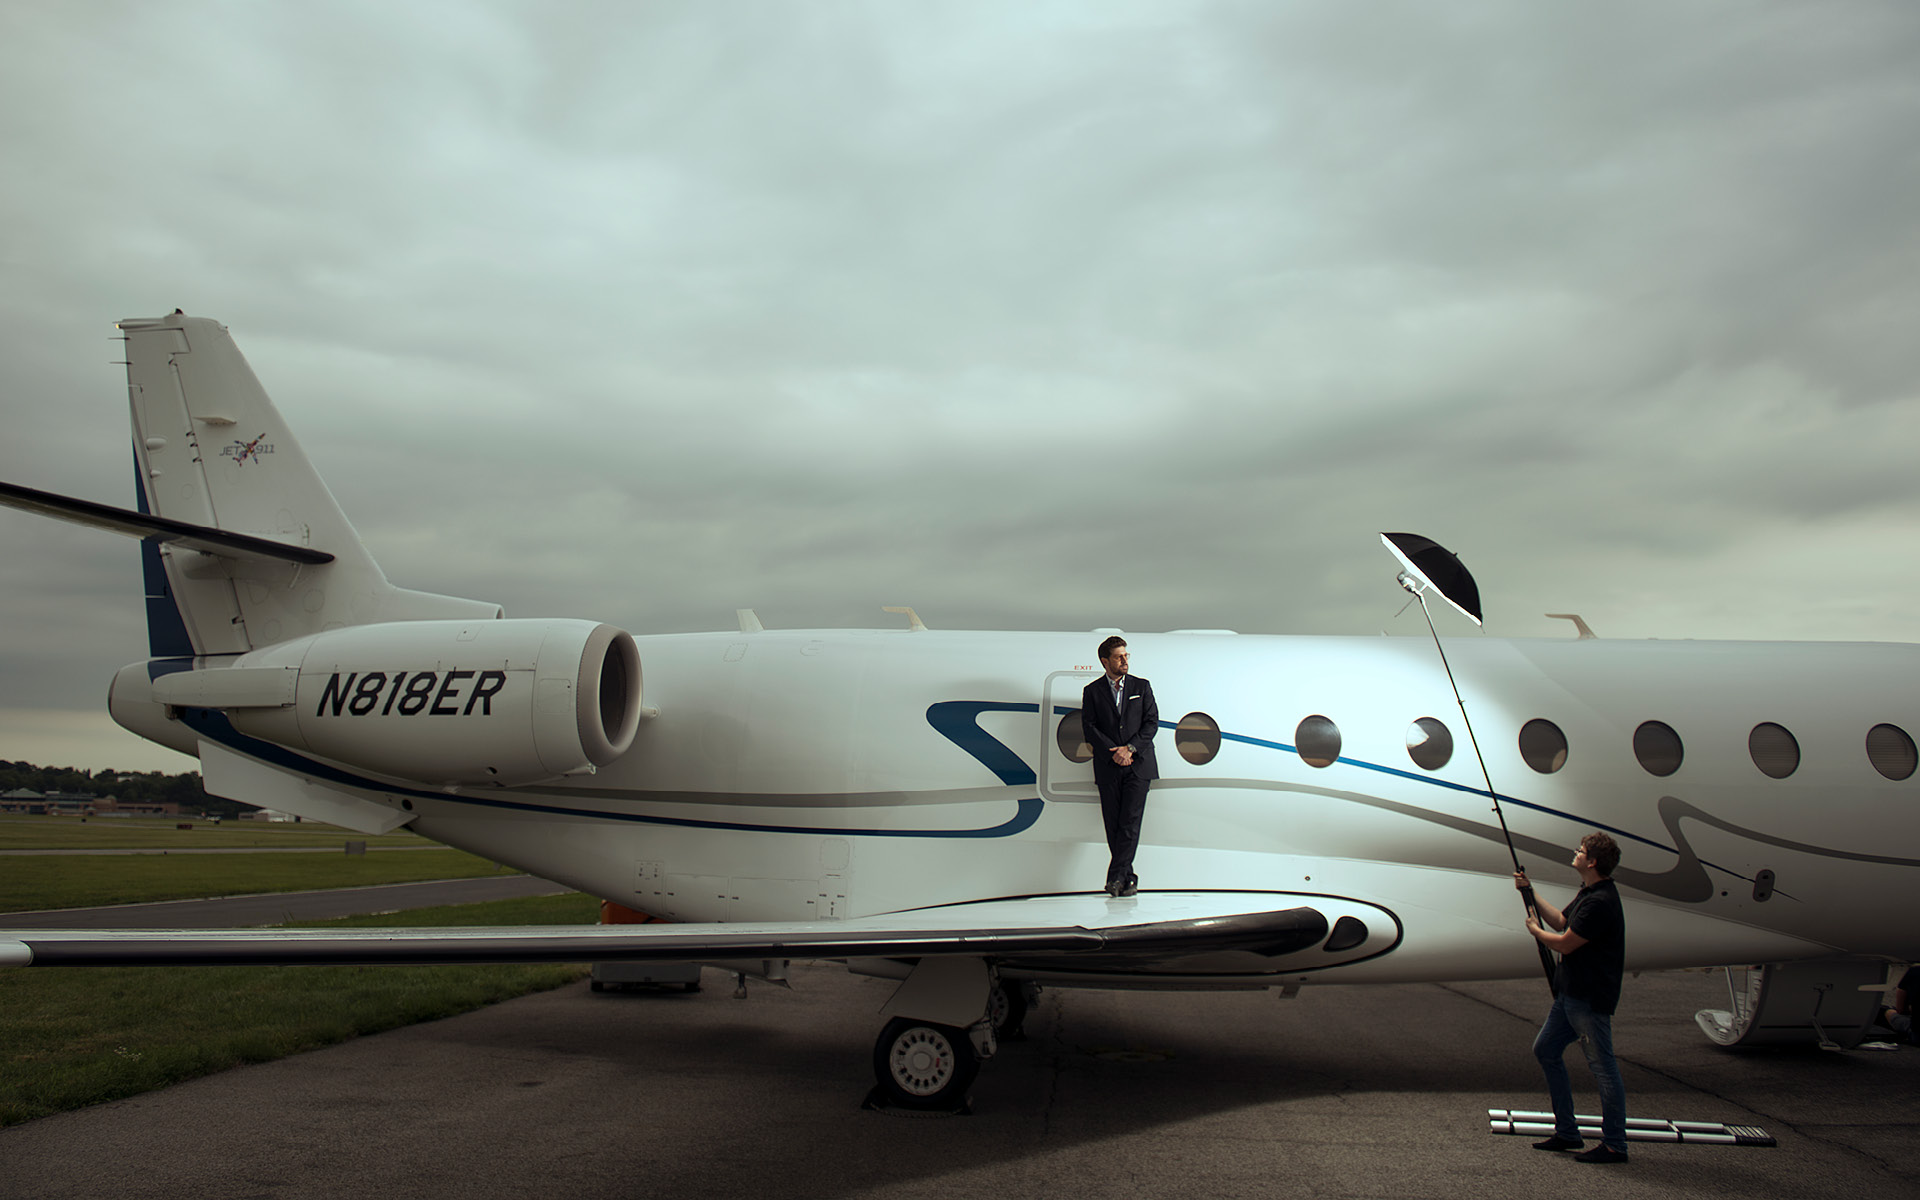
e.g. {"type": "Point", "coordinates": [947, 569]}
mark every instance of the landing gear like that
{"type": "Point", "coordinates": [919, 1064]}
{"type": "Point", "coordinates": [1007, 1007]}
{"type": "Point", "coordinates": [939, 1030]}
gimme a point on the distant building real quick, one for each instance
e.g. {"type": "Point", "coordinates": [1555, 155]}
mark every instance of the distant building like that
{"type": "Point", "coordinates": [82, 804]}
{"type": "Point", "coordinates": [70, 804]}
{"type": "Point", "coordinates": [107, 806]}
{"type": "Point", "coordinates": [23, 800]}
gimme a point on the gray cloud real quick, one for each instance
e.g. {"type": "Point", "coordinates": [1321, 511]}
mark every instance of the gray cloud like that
{"type": "Point", "coordinates": [648, 313]}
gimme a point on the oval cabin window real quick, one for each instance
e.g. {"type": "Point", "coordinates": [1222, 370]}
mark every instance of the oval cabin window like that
{"type": "Point", "coordinates": [1318, 741]}
{"type": "Point", "coordinates": [1197, 737]}
{"type": "Point", "coordinates": [1071, 737]}
{"type": "Point", "coordinates": [1773, 750]}
{"type": "Point", "coordinates": [1658, 748]}
{"type": "Point", "coordinates": [1543, 746]}
{"type": "Point", "coordinates": [1891, 751]}
{"type": "Point", "coordinates": [1429, 744]}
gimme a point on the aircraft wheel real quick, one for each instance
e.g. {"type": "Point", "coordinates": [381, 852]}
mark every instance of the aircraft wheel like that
{"type": "Point", "coordinates": [922, 1065]}
{"type": "Point", "coordinates": [1007, 1005]}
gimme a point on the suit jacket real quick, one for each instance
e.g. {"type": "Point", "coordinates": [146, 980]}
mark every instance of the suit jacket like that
{"type": "Point", "coordinates": [1133, 724]}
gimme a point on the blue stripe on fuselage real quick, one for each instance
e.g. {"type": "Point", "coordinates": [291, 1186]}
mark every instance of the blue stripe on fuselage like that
{"type": "Point", "coordinates": [214, 726]}
{"type": "Point", "coordinates": [956, 720]}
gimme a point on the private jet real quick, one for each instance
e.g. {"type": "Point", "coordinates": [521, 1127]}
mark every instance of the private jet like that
{"type": "Point", "coordinates": [919, 804]}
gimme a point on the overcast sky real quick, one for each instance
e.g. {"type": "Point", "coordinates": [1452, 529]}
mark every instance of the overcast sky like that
{"type": "Point", "coordinates": [1029, 315]}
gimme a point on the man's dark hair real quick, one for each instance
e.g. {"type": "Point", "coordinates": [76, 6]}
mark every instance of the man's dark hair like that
{"type": "Point", "coordinates": [1110, 645]}
{"type": "Point", "coordinates": [1602, 852]}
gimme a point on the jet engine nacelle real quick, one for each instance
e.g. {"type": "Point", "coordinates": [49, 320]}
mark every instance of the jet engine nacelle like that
{"type": "Point", "coordinates": [491, 702]}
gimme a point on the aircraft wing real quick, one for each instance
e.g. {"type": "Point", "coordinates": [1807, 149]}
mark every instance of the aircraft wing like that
{"type": "Point", "coordinates": [1181, 932]}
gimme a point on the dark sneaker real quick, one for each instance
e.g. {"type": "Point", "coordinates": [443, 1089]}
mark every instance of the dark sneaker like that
{"type": "Point", "coordinates": [1556, 1142]}
{"type": "Point", "coordinates": [1602, 1154]}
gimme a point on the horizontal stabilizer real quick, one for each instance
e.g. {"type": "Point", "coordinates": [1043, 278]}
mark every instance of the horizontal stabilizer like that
{"type": "Point", "coordinates": [207, 540]}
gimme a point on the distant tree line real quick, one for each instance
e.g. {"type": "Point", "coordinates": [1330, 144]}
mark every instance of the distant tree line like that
{"type": "Point", "coordinates": [141, 786]}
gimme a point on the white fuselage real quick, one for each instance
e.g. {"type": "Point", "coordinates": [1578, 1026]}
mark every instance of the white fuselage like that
{"type": "Point", "coordinates": [836, 773]}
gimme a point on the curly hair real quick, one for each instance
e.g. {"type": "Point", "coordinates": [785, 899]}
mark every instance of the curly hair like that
{"type": "Point", "coordinates": [1602, 851]}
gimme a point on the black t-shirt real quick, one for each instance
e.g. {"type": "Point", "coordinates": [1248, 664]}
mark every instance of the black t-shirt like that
{"type": "Point", "coordinates": [1592, 973]}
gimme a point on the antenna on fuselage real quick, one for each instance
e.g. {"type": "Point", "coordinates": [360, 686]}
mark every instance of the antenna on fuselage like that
{"type": "Point", "coordinates": [1429, 566]}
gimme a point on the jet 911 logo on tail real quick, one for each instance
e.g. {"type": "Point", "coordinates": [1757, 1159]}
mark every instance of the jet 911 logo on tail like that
{"type": "Point", "coordinates": [244, 452]}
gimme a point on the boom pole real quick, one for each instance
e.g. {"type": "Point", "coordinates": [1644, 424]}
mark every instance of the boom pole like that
{"type": "Point", "coordinates": [1430, 565]}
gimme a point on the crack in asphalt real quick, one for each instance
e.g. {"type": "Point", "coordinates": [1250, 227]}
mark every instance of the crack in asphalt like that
{"type": "Point", "coordinates": [1056, 1060]}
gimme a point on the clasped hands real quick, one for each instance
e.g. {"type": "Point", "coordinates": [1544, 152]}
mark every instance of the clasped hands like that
{"type": "Point", "coordinates": [1123, 756]}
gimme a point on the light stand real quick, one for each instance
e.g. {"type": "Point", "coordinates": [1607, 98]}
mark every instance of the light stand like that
{"type": "Point", "coordinates": [1426, 561]}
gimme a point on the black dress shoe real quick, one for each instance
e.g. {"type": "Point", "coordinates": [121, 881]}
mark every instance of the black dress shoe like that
{"type": "Point", "coordinates": [1131, 887]}
{"type": "Point", "coordinates": [1113, 887]}
{"type": "Point", "coordinates": [1556, 1142]}
{"type": "Point", "coordinates": [1602, 1154]}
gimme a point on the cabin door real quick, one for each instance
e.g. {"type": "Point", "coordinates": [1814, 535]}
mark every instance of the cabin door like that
{"type": "Point", "coordinates": [1066, 762]}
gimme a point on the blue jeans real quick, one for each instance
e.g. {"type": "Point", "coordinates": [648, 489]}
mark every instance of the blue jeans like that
{"type": "Point", "coordinates": [1573, 1020]}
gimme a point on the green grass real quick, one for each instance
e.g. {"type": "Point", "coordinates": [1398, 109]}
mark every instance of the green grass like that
{"type": "Point", "coordinates": [84, 1035]}
{"type": "Point", "coordinates": [29, 882]}
{"type": "Point", "coordinates": [159, 833]}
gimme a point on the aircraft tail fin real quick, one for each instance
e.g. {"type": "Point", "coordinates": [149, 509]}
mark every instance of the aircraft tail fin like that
{"type": "Point", "coordinates": [213, 452]}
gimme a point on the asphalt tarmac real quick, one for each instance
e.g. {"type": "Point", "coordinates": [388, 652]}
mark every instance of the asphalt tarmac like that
{"type": "Point", "coordinates": [1340, 1092]}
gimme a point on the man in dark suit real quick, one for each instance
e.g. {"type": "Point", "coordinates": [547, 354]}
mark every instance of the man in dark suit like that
{"type": "Point", "coordinates": [1119, 717]}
